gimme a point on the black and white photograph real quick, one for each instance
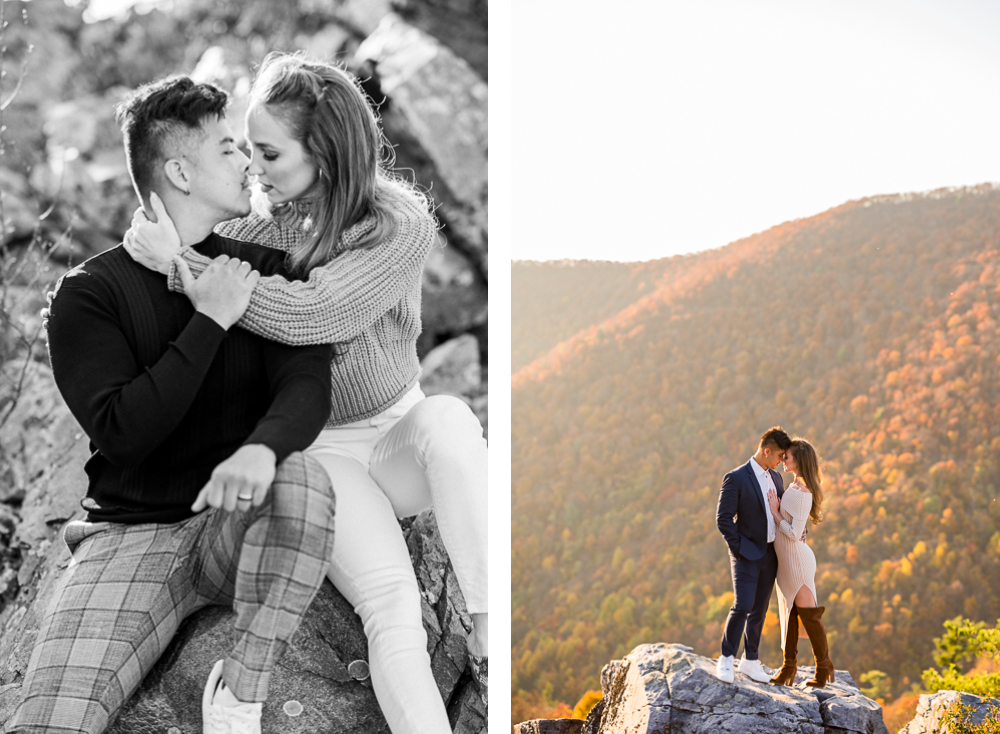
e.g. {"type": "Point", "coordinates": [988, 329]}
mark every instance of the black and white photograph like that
{"type": "Point", "coordinates": [244, 366]}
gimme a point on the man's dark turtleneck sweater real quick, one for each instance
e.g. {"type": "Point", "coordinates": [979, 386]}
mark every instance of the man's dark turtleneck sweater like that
{"type": "Point", "coordinates": [165, 393]}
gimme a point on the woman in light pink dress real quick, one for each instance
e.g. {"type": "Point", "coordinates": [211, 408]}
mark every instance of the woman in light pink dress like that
{"type": "Point", "coordinates": [797, 565]}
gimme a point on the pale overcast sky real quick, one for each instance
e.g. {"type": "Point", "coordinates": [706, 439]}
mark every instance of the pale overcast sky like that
{"type": "Point", "coordinates": [647, 128]}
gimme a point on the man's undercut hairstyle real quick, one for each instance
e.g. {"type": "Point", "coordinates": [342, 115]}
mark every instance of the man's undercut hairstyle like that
{"type": "Point", "coordinates": [775, 438]}
{"type": "Point", "coordinates": [158, 120]}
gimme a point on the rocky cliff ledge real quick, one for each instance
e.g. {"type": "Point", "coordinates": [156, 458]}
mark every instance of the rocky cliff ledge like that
{"type": "Point", "coordinates": [932, 707]}
{"type": "Point", "coordinates": [664, 688]}
{"type": "Point", "coordinates": [321, 684]}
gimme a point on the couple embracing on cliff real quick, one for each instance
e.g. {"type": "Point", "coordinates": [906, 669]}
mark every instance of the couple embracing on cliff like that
{"type": "Point", "coordinates": [763, 524]}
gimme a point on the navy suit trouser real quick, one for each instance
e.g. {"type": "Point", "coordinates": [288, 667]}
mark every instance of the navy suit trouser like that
{"type": "Point", "coordinates": [753, 582]}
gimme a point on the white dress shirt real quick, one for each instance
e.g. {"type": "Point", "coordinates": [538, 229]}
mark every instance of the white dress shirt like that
{"type": "Point", "coordinates": [766, 483]}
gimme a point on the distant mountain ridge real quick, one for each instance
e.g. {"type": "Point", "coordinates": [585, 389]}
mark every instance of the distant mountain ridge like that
{"type": "Point", "coordinates": [872, 329]}
{"type": "Point", "coordinates": [551, 301]}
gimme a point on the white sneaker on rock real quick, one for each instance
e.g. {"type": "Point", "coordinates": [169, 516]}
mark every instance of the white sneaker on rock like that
{"type": "Point", "coordinates": [771, 672]}
{"type": "Point", "coordinates": [754, 670]}
{"type": "Point", "coordinates": [217, 719]}
{"type": "Point", "coordinates": [724, 669]}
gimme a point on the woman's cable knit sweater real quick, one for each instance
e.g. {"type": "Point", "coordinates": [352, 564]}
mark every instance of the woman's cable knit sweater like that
{"type": "Point", "coordinates": [368, 297]}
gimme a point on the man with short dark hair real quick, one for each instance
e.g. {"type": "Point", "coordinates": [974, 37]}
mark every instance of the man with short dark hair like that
{"type": "Point", "coordinates": [745, 521]}
{"type": "Point", "coordinates": [198, 493]}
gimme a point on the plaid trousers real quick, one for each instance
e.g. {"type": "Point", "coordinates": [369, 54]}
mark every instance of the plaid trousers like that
{"type": "Point", "coordinates": [129, 587]}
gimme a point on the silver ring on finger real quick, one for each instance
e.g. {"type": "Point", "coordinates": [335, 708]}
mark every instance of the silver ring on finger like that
{"type": "Point", "coordinates": [244, 498]}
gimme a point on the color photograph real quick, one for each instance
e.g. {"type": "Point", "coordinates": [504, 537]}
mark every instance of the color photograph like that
{"type": "Point", "coordinates": [755, 350]}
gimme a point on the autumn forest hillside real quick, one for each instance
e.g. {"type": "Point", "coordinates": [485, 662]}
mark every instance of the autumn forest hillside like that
{"type": "Point", "coordinates": [873, 329]}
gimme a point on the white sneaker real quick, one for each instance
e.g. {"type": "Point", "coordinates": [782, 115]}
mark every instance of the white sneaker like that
{"type": "Point", "coordinates": [754, 670]}
{"type": "Point", "coordinates": [724, 669]}
{"type": "Point", "coordinates": [771, 672]}
{"type": "Point", "coordinates": [216, 719]}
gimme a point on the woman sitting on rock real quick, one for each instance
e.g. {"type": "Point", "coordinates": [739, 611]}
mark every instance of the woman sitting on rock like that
{"type": "Point", "coordinates": [797, 565]}
{"type": "Point", "coordinates": [357, 237]}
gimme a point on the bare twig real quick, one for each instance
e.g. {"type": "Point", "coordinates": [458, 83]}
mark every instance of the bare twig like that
{"type": "Point", "coordinates": [20, 77]}
{"type": "Point", "coordinates": [18, 335]}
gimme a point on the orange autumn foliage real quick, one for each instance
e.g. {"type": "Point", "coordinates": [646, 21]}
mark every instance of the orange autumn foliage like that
{"type": "Point", "coordinates": [873, 329]}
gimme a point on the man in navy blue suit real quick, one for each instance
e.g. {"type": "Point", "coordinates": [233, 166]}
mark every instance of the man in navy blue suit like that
{"type": "Point", "coordinates": [748, 527]}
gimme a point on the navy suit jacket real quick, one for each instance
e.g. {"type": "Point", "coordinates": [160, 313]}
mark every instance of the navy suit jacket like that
{"type": "Point", "coordinates": [742, 512]}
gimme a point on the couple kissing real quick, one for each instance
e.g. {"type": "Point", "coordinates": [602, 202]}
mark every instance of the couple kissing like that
{"type": "Point", "coordinates": [764, 526]}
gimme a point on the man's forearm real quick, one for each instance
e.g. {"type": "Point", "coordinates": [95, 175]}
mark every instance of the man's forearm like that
{"type": "Point", "coordinates": [301, 400]}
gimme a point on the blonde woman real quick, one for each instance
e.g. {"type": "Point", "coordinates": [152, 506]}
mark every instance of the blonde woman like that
{"type": "Point", "coordinates": [803, 500]}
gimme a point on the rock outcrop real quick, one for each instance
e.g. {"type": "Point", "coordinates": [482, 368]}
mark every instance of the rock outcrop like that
{"type": "Point", "coordinates": [454, 368]}
{"type": "Point", "coordinates": [668, 688]}
{"type": "Point", "coordinates": [932, 706]}
{"type": "Point", "coordinates": [437, 113]}
{"type": "Point", "coordinates": [321, 683]}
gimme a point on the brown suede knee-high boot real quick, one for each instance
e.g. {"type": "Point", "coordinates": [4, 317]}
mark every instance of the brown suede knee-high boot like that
{"type": "Point", "coordinates": [817, 636]}
{"type": "Point", "coordinates": [789, 666]}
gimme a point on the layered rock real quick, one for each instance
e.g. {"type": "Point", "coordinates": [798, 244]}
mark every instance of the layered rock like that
{"type": "Point", "coordinates": [663, 687]}
{"type": "Point", "coordinates": [932, 707]}
{"type": "Point", "coordinates": [437, 112]}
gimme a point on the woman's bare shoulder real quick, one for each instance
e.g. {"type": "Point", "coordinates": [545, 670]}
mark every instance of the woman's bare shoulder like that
{"type": "Point", "coordinates": [800, 487]}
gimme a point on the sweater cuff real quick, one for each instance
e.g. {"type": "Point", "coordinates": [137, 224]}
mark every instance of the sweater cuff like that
{"type": "Point", "coordinates": [281, 448]}
{"type": "Point", "coordinates": [196, 263]}
{"type": "Point", "coordinates": [174, 279]}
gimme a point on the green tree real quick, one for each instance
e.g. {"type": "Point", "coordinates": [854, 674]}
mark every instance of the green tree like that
{"type": "Point", "coordinates": [963, 639]}
{"type": "Point", "coordinates": [875, 684]}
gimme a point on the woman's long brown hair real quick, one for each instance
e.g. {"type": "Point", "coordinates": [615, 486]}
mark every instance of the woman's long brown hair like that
{"type": "Point", "coordinates": [808, 468]}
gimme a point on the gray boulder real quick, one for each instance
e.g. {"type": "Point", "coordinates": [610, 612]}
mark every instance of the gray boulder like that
{"type": "Point", "coordinates": [454, 368]}
{"type": "Point", "coordinates": [932, 706]}
{"type": "Point", "coordinates": [321, 683]}
{"type": "Point", "coordinates": [437, 114]}
{"type": "Point", "coordinates": [660, 686]}
{"type": "Point", "coordinates": [460, 24]}
{"type": "Point", "coordinates": [664, 687]}
{"type": "Point", "coordinates": [361, 16]}
{"type": "Point", "coordinates": [454, 298]}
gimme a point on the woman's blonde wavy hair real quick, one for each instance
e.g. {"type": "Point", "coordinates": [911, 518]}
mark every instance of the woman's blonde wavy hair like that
{"type": "Point", "coordinates": [327, 112]}
{"type": "Point", "coordinates": [808, 468]}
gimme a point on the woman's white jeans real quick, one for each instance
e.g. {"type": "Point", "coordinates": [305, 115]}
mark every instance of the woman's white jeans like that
{"type": "Point", "coordinates": [421, 452]}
